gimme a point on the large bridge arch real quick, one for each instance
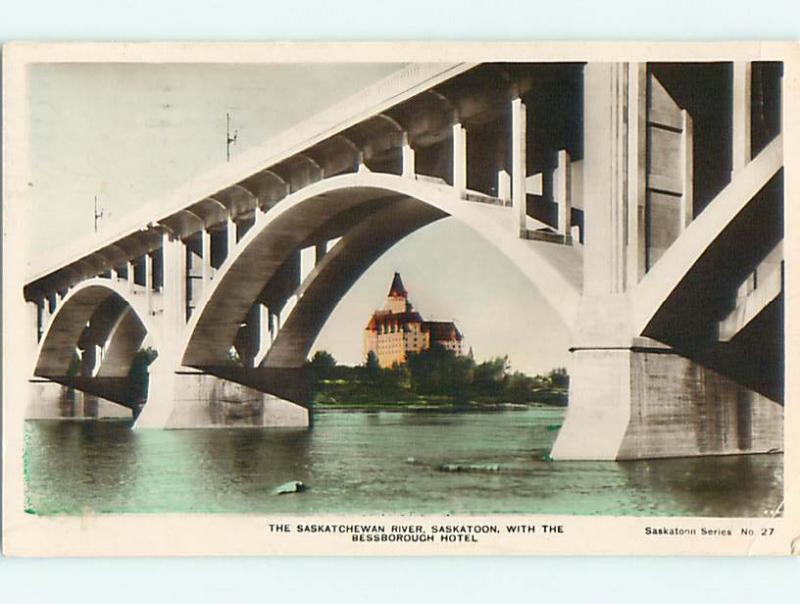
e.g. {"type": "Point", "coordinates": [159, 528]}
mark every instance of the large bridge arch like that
{"type": "Point", "coordinates": [125, 330]}
{"type": "Point", "coordinates": [553, 269]}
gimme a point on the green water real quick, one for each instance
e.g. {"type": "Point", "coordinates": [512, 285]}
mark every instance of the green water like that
{"type": "Point", "coordinates": [376, 462]}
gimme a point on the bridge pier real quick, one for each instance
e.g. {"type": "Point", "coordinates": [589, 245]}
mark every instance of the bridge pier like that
{"type": "Point", "coordinates": [51, 400]}
{"type": "Point", "coordinates": [188, 398]}
{"type": "Point", "coordinates": [644, 402]}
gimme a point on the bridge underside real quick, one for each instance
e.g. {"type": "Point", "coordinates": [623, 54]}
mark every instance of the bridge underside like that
{"type": "Point", "coordinates": [754, 355]}
{"type": "Point", "coordinates": [639, 199]}
{"type": "Point", "coordinates": [707, 378]}
{"type": "Point", "coordinates": [678, 348]}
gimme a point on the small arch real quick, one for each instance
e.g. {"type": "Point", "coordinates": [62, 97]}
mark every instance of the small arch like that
{"type": "Point", "coordinates": [75, 311]}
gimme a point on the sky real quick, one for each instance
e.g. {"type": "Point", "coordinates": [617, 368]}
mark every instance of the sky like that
{"type": "Point", "coordinates": [128, 133]}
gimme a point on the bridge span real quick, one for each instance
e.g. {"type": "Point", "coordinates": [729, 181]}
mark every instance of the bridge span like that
{"type": "Point", "coordinates": [643, 200]}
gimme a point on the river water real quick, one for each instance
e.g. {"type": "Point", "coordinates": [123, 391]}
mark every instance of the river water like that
{"type": "Point", "coordinates": [376, 462]}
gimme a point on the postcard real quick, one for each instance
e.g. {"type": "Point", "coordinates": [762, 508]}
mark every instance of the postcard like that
{"type": "Point", "coordinates": [414, 299]}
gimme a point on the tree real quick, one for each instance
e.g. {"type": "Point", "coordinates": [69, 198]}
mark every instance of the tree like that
{"type": "Point", "coordinates": [490, 376]}
{"type": "Point", "coordinates": [520, 388]}
{"type": "Point", "coordinates": [139, 375]}
{"type": "Point", "coordinates": [441, 372]}
{"type": "Point", "coordinates": [372, 364]}
{"type": "Point", "coordinates": [323, 359]}
{"type": "Point", "coordinates": [559, 378]}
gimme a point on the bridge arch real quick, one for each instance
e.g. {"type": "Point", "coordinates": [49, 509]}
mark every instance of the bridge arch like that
{"type": "Point", "coordinates": [124, 328]}
{"type": "Point", "coordinates": [365, 201]}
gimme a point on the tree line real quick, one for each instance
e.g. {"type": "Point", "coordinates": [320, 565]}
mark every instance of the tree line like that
{"type": "Point", "coordinates": [436, 372]}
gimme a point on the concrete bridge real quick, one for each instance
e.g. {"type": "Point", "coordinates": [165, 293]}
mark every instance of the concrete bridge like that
{"type": "Point", "coordinates": [644, 201]}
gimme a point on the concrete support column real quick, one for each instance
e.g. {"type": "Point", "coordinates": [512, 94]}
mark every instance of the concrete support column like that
{"type": "Point", "coordinates": [331, 243]}
{"type": "Point", "coordinates": [287, 309]}
{"type": "Point", "coordinates": [258, 214]}
{"type": "Point", "coordinates": [45, 313]}
{"type": "Point", "coordinates": [605, 177]}
{"type": "Point", "coordinates": [518, 166]}
{"type": "Point", "coordinates": [174, 292]}
{"type": "Point", "coordinates": [563, 193]}
{"type": "Point", "coordinates": [320, 250]}
{"type": "Point", "coordinates": [687, 171]}
{"type": "Point", "coordinates": [308, 260]}
{"type": "Point", "coordinates": [459, 159]}
{"type": "Point", "coordinates": [98, 359]}
{"type": "Point", "coordinates": [408, 158]}
{"type": "Point", "coordinates": [130, 272]}
{"type": "Point", "coordinates": [636, 259]}
{"type": "Point", "coordinates": [90, 360]}
{"type": "Point", "coordinates": [231, 234]}
{"type": "Point", "coordinates": [740, 127]}
{"type": "Point", "coordinates": [206, 253]}
{"type": "Point", "coordinates": [148, 281]}
{"type": "Point", "coordinates": [34, 320]}
{"type": "Point", "coordinates": [504, 186]}
{"type": "Point", "coordinates": [362, 167]}
{"type": "Point", "coordinates": [264, 334]}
